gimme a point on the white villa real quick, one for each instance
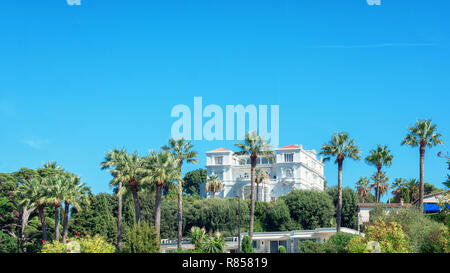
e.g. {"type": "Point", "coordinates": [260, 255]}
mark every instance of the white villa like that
{"type": "Point", "coordinates": [292, 168]}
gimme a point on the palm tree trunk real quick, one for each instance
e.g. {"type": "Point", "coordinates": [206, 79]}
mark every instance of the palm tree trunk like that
{"type": "Point", "coordinates": [158, 209]}
{"type": "Point", "coordinates": [378, 184]}
{"type": "Point", "coordinates": [421, 191]}
{"type": "Point", "coordinates": [119, 219]}
{"type": "Point", "coordinates": [42, 219]}
{"type": "Point", "coordinates": [253, 158]}
{"type": "Point", "coordinates": [57, 206]}
{"type": "Point", "coordinates": [180, 206]}
{"type": "Point", "coordinates": [339, 203]}
{"type": "Point", "coordinates": [65, 221]}
{"type": "Point", "coordinates": [24, 216]}
{"type": "Point", "coordinates": [137, 207]}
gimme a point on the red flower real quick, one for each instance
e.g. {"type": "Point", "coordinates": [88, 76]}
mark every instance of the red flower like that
{"type": "Point", "coordinates": [78, 235]}
{"type": "Point", "coordinates": [43, 241]}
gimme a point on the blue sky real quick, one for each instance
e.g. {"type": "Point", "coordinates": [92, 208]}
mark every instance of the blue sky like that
{"type": "Point", "coordinates": [77, 81]}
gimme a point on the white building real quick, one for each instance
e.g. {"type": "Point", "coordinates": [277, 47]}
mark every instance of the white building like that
{"type": "Point", "coordinates": [292, 168]}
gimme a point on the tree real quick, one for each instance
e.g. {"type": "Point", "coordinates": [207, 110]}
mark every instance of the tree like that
{"type": "Point", "coordinates": [398, 186]}
{"type": "Point", "coordinates": [182, 151]}
{"type": "Point", "coordinates": [142, 238]}
{"type": "Point", "coordinates": [162, 169]}
{"type": "Point", "coordinates": [33, 194]}
{"type": "Point", "coordinates": [379, 157]}
{"type": "Point", "coordinates": [54, 195]}
{"type": "Point", "coordinates": [213, 184]}
{"type": "Point", "coordinates": [197, 236]}
{"type": "Point", "coordinates": [247, 246]}
{"type": "Point", "coordinates": [129, 170]}
{"type": "Point", "coordinates": [413, 186]}
{"type": "Point", "coordinates": [422, 134]}
{"type": "Point", "coordinates": [363, 187]}
{"type": "Point", "coordinates": [75, 193]}
{"type": "Point", "coordinates": [193, 180]}
{"type": "Point", "coordinates": [380, 184]}
{"type": "Point", "coordinates": [309, 209]}
{"type": "Point", "coordinates": [253, 146]}
{"type": "Point", "coordinates": [214, 244]}
{"type": "Point", "coordinates": [112, 160]}
{"type": "Point", "coordinates": [341, 147]}
{"type": "Point", "coordinates": [349, 206]}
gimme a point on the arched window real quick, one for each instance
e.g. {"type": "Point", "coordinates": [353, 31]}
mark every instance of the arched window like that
{"type": "Point", "coordinates": [288, 172]}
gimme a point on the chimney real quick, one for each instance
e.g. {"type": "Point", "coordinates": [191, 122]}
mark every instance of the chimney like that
{"type": "Point", "coordinates": [401, 202]}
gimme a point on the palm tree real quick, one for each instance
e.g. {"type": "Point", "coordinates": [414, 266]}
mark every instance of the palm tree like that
{"type": "Point", "coordinates": [55, 193]}
{"type": "Point", "coordinates": [52, 165]}
{"type": "Point", "coordinates": [198, 236]}
{"type": "Point", "coordinates": [112, 160]}
{"type": "Point", "coordinates": [162, 168]}
{"type": "Point", "coordinates": [380, 184]}
{"type": "Point", "coordinates": [213, 184]}
{"type": "Point", "coordinates": [363, 188]}
{"type": "Point", "coordinates": [398, 185]}
{"type": "Point", "coordinates": [75, 193]}
{"type": "Point", "coordinates": [379, 157]}
{"type": "Point", "coordinates": [127, 176]}
{"type": "Point", "coordinates": [181, 150]}
{"type": "Point", "coordinates": [33, 193]}
{"type": "Point", "coordinates": [413, 185]}
{"type": "Point", "coordinates": [254, 146]}
{"type": "Point", "coordinates": [423, 134]}
{"type": "Point", "coordinates": [261, 176]}
{"type": "Point", "coordinates": [340, 146]}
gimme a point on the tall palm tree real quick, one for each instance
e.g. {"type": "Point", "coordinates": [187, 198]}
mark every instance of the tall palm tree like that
{"type": "Point", "coordinates": [261, 176]}
{"type": "Point", "coordinates": [363, 187]}
{"type": "Point", "coordinates": [75, 193]}
{"type": "Point", "coordinates": [341, 147]}
{"type": "Point", "coordinates": [130, 168]}
{"type": "Point", "coordinates": [33, 193]}
{"type": "Point", "coordinates": [213, 184]}
{"type": "Point", "coordinates": [52, 165]}
{"type": "Point", "coordinates": [112, 160]}
{"type": "Point", "coordinates": [182, 151]}
{"type": "Point", "coordinates": [254, 146]}
{"type": "Point", "coordinates": [380, 184]}
{"type": "Point", "coordinates": [162, 168]}
{"type": "Point", "coordinates": [422, 134]}
{"type": "Point", "coordinates": [379, 157]}
{"type": "Point", "coordinates": [54, 195]}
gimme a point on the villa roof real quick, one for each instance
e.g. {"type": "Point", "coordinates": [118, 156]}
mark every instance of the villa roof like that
{"type": "Point", "coordinates": [290, 146]}
{"type": "Point", "coordinates": [219, 150]}
{"type": "Point", "coordinates": [391, 205]}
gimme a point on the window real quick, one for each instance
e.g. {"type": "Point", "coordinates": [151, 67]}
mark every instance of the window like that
{"type": "Point", "coordinates": [249, 161]}
{"type": "Point", "coordinates": [288, 157]}
{"type": "Point", "coordinates": [264, 160]}
{"type": "Point", "coordinates": [218, 160]}
{"type": "Point", "coordinates": [288, 173]}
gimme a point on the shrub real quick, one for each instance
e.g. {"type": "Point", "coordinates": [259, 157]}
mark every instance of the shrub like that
{"type": "Point", "coordinates": [391, 237]}
{"type": "Point", "coordinates": [247, 246]}
{"type": "Point", "coordinates": [309, 209]}
{"type": "Point", "coordinates": [338, 243]}
{"type": "Point", "coordinates": [281, 249]}
{"type": "Point", "coordinates": [141, 239]}
{"type": "Point", "coordinates": [417, 225]}
{"type": "Point", "coordinates": [54, 247]}
{"type": "Point", "coordinates": [437, 243]}
{"type": "Point", "coordinates": [310, 246]}
{"type": "Point", "coordinates": [7, 243]}
{"type": "Point", "coordinates": [198, 236]}
{"type": "Point", "coordinates": [349, 216]}
{"type": "Point", "coordinates": [96, 244]}
{"type": "Point", "coordinates": [214, 244]}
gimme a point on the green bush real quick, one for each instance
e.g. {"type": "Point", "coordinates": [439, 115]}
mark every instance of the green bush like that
{"type": "Point", "coordinates": [281, 249]}
{"type": "Point", "coordinates": [349, 216]}
{"type": "Point", "coordinates": [309, 209]}
{"type": "Point", "coordinates": [96, 244]}
{"type": "Point", "coordinates": [54, 247]}
{"type": "Point", "coordinates": [437, 243]}
{"type": "Point", "coordinates": [418, 227]}
{"type": "Point", "coordinates": [338, 243]}
{"type": "Point", "coordinates": [141, 239]}
{"type": "Point", "coordinates": [214, 244]}
{"type": "Point", "coordinates": [247, 246]}
{"type": "Point", "coordinates": [310, 246]}
{"type": "Point", "coordinates": [7, 243]}
{"type": "Point", "coordinates": [391, 237]}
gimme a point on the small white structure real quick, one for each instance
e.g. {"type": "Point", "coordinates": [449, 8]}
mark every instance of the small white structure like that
{"type": "Point", "coordinates": [292, 168]}
{"type": "Point", "coordinates": [269, 242]}
{"type": "Point", "coordinates": [365, 208]}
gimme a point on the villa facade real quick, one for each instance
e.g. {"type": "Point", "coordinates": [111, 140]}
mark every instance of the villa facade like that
{"type": "Point", "coordinates": [291, 168]}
